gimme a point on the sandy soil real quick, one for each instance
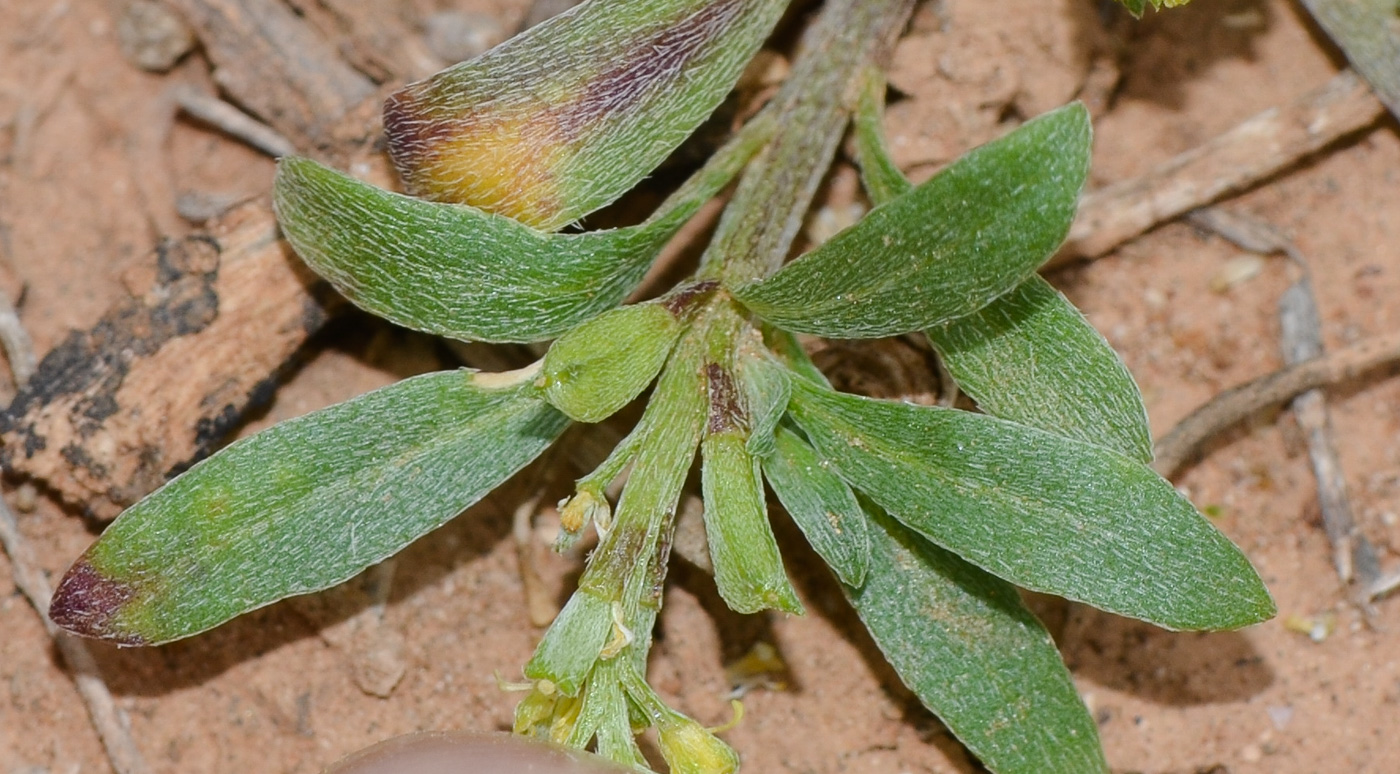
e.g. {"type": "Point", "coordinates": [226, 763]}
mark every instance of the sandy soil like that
{"type": "Point", "coordinates": [90, 167]}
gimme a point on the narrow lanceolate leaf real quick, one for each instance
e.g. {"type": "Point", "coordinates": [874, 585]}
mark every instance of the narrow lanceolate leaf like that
{"type": "Point", "coordinates": [966, 646]}
{"type": "Point", "coordinates": [881, 178]}
{"type": "Point", "coordinates": [821, 503]}
{"type": "Point", "coordinates": [600, 366]}
{"type": "Point", "coordinates": [566, 117]}
{"type": "Point", "coordinates": [304, 505]}
{"type": "Point", "coordinates": [1038, 509]}
{"type": "Point", "coordinates": [942, 250]}
{"type": "Point", "coordinates": [1032, 358]}
{"type": "Point", "coordinates": [748, 568]}
{"type": "Point", "coordinates": [1029, 356]}
{"type": "Point", "coordinates": [455, 271]}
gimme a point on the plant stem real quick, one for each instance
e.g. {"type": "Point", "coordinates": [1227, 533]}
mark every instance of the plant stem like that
{"type": "Point", "coordinates": [812, 109]}
{"type": "Point", "coordinates": [670, 431]}
{"type": "Point", "coordinates": [882, 180]}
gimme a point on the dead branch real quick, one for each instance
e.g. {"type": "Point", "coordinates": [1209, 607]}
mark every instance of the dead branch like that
{"type": "Point", "coordinates": [1260, 147]}
{"type": "Point", "coordinates": [114, 410]}
{"type": "Point", "coordinates": [18, 348]}
{"type": "Point", "coordinates": [234, 122]}
{"type": "Point", "coordinates": [1301, 339]}
{"type": "Point", "coordinates": [1352, 555]}
{"type": "Point", "coordinates": [1184, 442]}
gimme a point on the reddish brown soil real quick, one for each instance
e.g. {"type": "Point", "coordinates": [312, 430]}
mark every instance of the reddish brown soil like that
{"type": "Point", "coordinates": [87, 183]}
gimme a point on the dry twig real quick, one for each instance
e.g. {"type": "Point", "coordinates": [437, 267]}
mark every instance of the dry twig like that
{"type": "Point", "coordinates": [18, 347]}
{"type": "Point", "coordinates": [1247, 154]}
{"type": "Point", "coordinates": [273, 63]}
{"type": "Point", "coordinates": [233, 122]}
{"type": "Point", "coordinates": [1352, 554]}
{"type": "Point", "coordinates": [1184, 442]}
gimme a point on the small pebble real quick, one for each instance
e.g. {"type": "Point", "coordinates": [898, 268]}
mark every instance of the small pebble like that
{"type": "Point", "coordinates": [200, 206]}
{"type": "Point", "coordinates": [1251, 754]}
{"type": "Point", "coordinates": [456, 36]}
{"type": "Point", "coordinates": [152, 36]}
{"type": "Point", "coordinates": [1236, 271]}
{"type": "Point", "coordinates": [1280, 716]}
{"type": "Point", "coordinates": [26, 498]}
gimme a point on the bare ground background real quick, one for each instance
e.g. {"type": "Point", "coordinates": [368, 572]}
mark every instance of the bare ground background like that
{"type": "Point", "coordinates": [92, 164]}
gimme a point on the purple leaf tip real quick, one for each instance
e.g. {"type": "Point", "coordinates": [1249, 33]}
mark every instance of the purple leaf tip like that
{"type": "Point", "coordinates": [86, 603]}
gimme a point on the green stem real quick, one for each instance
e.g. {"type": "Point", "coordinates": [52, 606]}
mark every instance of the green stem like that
{"type": "Point", "coordinates": [812, 108]}
{"type": "Point", "coordinates": [670, 431]}
{"type": "Point", "coordinates": [881, 178]}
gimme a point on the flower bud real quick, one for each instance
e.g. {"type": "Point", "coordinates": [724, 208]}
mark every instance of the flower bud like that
{"type": "Point", "coordinates": [690, 749]}
{"type": "Point", "coordinates": [600, 366]}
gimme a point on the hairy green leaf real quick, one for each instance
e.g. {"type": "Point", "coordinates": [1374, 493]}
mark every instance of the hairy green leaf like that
{"type": "Point", "coordinates": [451, 270]}
{"type": "Point", "coordinates": [1040, 510]}
{"type": "Point", "coordinates": [594, 370]}
{"type": "Point", "coordinates": [963, 642]}
{"type": "Point", "coordinates": [570, 115]}
{"type": "Point", "coordinates": [1368, 32]}
{"type": "Point", "coordinates": [1029, 356]}
{"type": "Point", "coordinates": [748, 568]}
{"type": "Point", "coordinates": [821, 503]}
{"type": "Point", "coordinates": [945, 249]}
{"type": "Point", "coordinates": [304, 505]}
{"type": "Point", "coordinates": [459, 272]}
{"type": "Point", "coordinates": [1032, 358]}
